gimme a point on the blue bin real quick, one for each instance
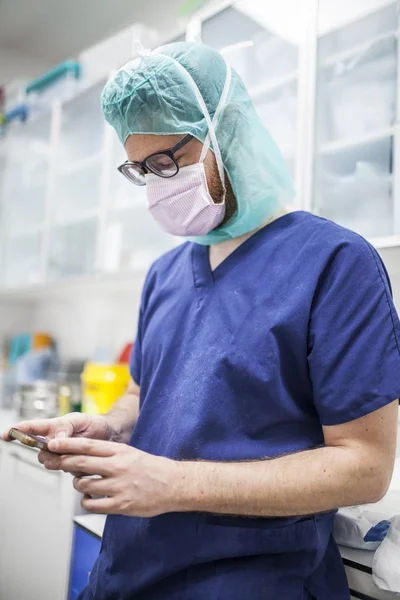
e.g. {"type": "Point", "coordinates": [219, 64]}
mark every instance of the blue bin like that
{"type": "Point", "coordinates": [85, 550]}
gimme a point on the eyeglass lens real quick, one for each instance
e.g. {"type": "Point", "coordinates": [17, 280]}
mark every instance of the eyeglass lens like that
{"type": "Point", "coordinates": [162, 165]}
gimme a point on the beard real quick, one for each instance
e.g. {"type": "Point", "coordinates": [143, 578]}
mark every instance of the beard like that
{"type": "Point", "coordinates": [217, 193]}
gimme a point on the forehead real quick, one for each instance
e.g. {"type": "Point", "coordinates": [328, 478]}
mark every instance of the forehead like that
{"type": "Point", "coordinates": [138, 146]}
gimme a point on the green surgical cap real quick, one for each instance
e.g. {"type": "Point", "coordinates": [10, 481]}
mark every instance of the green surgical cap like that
{"type": "Point", "coordinates": [153, 95]}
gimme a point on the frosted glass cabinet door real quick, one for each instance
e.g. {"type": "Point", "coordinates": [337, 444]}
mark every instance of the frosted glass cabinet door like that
{"type": "Point", "coordinates": [23, 184]}
{"type": "Point", "coordinates": [76, 191]}
{"type": "Point", "coordinates": [76, 188]}
{"type": "Point", "coordinates": [25, 176]}
{"type": "Point", "coordinates": [82, 126]}
{"type": "Point", "coordinates": [262, 44]}
{"type": "Point", "coordinates": [72, 249]}
{"type": "Point", "coordinates": [20, 260]}
{"type": "Point", "coordinates": [355, 116]}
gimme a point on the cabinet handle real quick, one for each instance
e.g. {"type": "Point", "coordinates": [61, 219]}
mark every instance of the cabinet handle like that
{"type": "Point", "coordinates": [32, 464]}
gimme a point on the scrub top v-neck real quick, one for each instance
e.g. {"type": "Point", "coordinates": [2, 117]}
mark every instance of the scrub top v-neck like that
{"type": "Point", "coordinates": [296, 329]}
{"type": "Point", "coordinates": [204, 276]}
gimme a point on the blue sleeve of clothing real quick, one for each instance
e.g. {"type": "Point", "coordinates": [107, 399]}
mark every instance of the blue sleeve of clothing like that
{"type": "Point", "coordinates": [135, 361]}
{"type": "Point", "coordinates": [354, 335]}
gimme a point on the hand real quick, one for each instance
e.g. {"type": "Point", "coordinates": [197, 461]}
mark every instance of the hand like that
{"type": "Point", "coordinates": [133, 482]}
{"type": "Point", "coordinates": [72, 425]}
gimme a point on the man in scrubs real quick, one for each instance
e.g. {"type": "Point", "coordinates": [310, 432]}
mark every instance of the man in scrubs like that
{"type": "Point", "coordinates": [265, 370]}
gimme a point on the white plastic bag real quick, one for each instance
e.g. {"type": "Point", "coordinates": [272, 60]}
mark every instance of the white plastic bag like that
{"type": "Point", "coordinates": [360, 527]}
{"type": "Point", "coordinates": [386, 563]}
{"type": "Point", "coordinates": [366, 526]}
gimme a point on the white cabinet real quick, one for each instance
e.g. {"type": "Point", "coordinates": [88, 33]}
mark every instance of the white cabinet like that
{"type": "Point", "coordinates": [356, 107]}
{"type": "Point", "coordinates": [82, 127]}
{"type": "Point", "coordinates": [23, 183]}
{"type": "Point", "coordinates": [76, 185]}
{"type": "Point", "coordinates": [323, 77]}
{"type": "Point", "coordinates": [36, 511]}
{"type": "Point", "coordinates": [21, 259]}
{"type": "Point", "coordinates": [72, 249]}
{"type": "Point", "coordinates": [261, 47]}
{"type": "Point", "coordinates": [76, 191]}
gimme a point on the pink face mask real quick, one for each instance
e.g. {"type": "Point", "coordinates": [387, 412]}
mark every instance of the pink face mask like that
{"type": "Point", "coordinates": [182, 205]}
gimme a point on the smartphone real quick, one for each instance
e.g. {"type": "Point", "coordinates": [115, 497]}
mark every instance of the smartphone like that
{"type": "Point", "coordinates": [34, 441]}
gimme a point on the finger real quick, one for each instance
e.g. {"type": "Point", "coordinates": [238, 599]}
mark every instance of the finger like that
{"type": "Point", "coordinates": [43, 427]}
{"type": "Point", "coordinates": [94, 487]}
{"type": "Point", "coordinates": [87, 465]}
{"type": "Point", "coordinates": [83, 446]}
{"type": "Point", "coordinates": [101, 506]}
{"type": "Point", "coordinates": [45, 455]}
{"type": "Point", "coordinates": [51, 461]}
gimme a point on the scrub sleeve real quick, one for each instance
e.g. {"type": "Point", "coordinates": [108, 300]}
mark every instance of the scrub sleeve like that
{"type": "Point", "coordinates": [354, 334]}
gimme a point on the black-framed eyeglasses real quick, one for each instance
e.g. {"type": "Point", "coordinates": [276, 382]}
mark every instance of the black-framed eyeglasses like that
{"type": "Point", "coordinates": [162, 163]}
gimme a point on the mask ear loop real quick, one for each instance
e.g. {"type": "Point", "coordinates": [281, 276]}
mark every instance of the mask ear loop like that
{"type": "Point", "coordinates": [200, 99]}
{"type": "Point", "coordinates": [212, 132]}
{"type": "Point", "coordinates": [221, 105]}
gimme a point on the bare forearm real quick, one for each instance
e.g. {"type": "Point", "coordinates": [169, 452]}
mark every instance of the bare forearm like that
{"type": "Point", "coordinates": [299, 484]}
{"type": "Point", "coordinates": [123, 416]}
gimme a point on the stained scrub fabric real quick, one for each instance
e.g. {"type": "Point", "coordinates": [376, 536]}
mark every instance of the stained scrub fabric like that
{"type": "Point", "coordinates": [294, 330]}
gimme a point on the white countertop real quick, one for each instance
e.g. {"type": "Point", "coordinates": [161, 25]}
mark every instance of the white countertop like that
{"type": "Point", "coordinates": [93, 523]}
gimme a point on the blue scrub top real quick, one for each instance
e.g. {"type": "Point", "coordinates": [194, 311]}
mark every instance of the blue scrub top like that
{"type": "Point", "coordinates": [294, 330]}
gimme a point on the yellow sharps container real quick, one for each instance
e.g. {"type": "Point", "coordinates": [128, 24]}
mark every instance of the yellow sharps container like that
{"type": "Point", "coordinates": [102, 385]}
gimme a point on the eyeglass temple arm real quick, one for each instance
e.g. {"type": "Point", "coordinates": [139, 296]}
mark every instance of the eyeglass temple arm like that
{"type": "Point", "coordinates": [177, 147]}
{"type": "Point", "coordinates": [182, 143]}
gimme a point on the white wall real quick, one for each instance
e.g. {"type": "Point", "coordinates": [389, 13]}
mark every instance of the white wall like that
{"type": "Point", "coordinates": [84, 323]}
{"type": "Point", "coordinates": [15, 317]}
{"type": "Point", "coordinates": [14, 65]}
